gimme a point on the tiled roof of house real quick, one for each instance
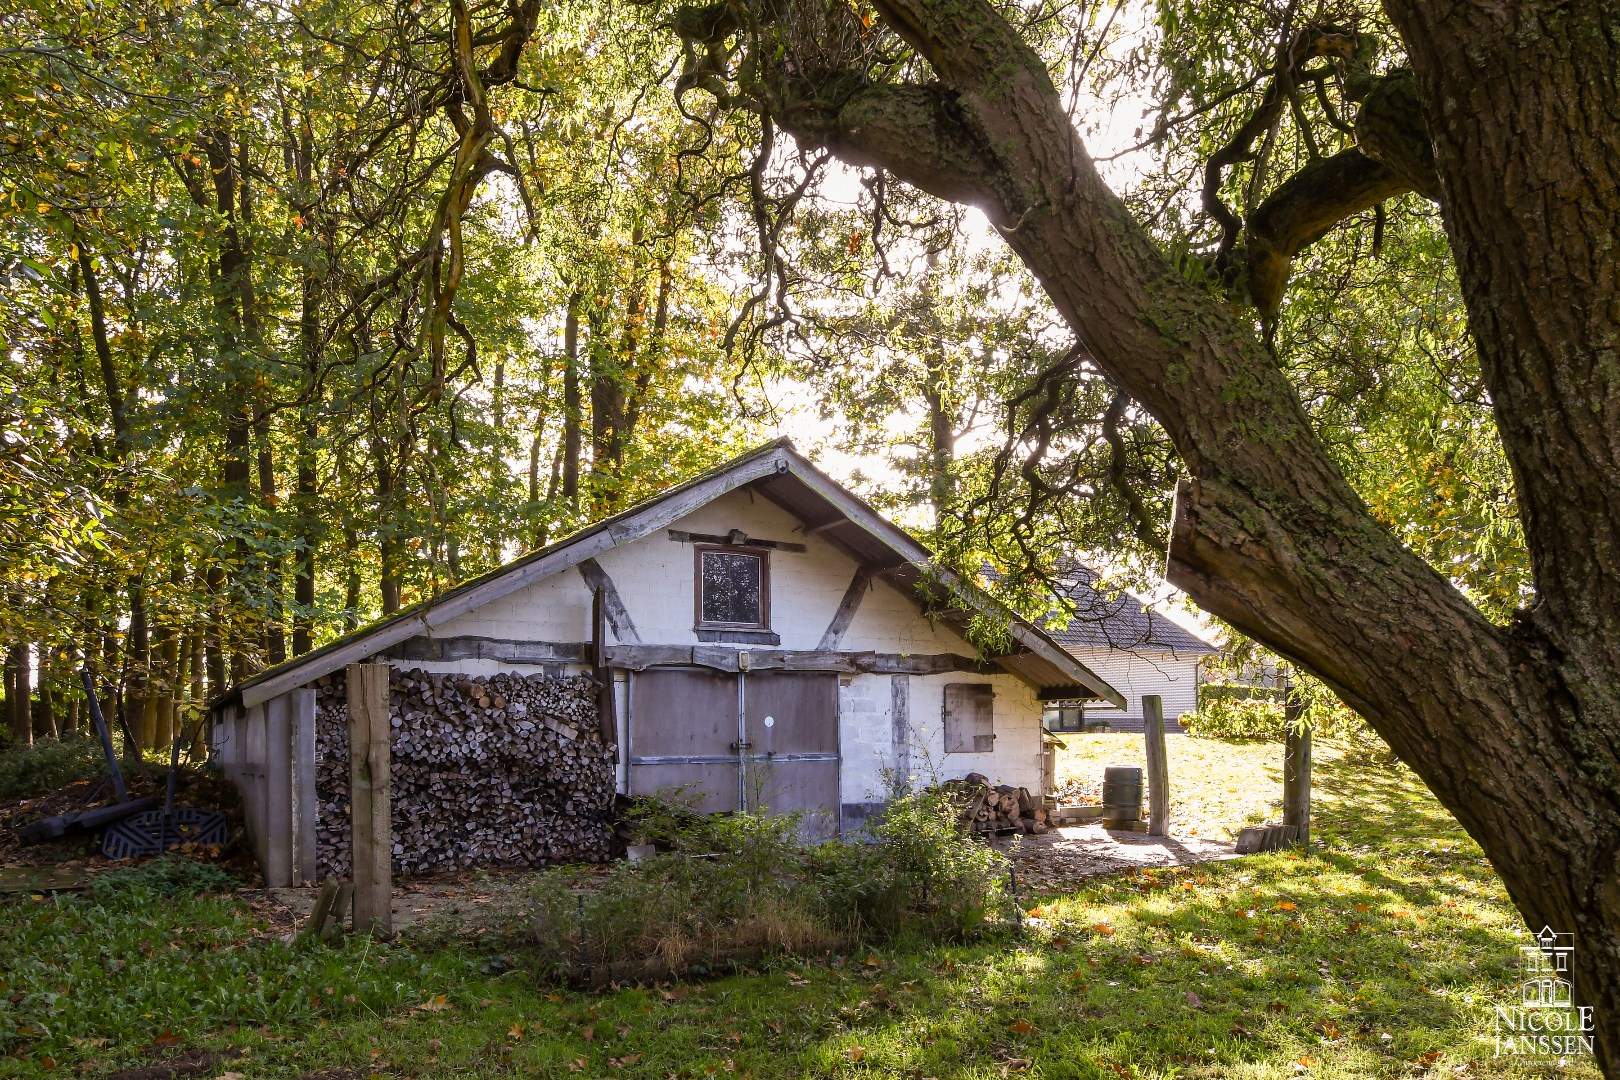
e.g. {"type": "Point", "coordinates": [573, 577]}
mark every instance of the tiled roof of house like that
{"type": "Point", "coordinates": [1120, 621]}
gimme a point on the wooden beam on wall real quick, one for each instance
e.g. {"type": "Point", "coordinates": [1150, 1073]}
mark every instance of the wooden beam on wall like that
{"type": "Point", "coordinates": [277, 778]}
{"type": "Point", "coordinates": [641, 657]}
{"type": "Point", "coordinates": [859, 586]}
{"type": "Point", "coordinates": [738, 538]}
{"type": "Point", "coordinates": [369, 810]}
{"type": "Point", "coordinates": [503, 650]}
{"type": "Point", "coordinates": [618, 616]}
{"type": "Point", "coordinates": [303, 780]}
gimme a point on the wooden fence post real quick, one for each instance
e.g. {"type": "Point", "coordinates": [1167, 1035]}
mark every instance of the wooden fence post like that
{"type": "Point", "coordinates": [369, 733]}
{"type": "Point", "coordinates": [1158, 766]}
{"type": "Point", "coordinates": [1296, 771]}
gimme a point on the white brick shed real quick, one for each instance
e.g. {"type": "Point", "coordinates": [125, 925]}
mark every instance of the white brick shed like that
{"type": "Point", "coordinates": [761, 636]}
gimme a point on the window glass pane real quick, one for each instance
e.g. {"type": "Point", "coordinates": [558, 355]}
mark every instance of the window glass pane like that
{"type": "Point", "coordinates": [731, 592]}
{"type": "Point", "coordinates": [1064, 718]}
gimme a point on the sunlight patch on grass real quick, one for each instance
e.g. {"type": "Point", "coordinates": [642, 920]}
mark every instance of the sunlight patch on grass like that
{"type": "Point", "coordinates": [1216, 787]}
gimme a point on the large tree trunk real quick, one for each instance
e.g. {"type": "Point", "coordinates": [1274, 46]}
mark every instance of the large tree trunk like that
{"type": "Point", "coordinates": [1514, 729]}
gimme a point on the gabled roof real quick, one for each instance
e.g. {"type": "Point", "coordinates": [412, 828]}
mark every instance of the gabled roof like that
{"type": "Point", "coordinates": [1121, 621]}
{"type": "Point", "coordinates": [778, 473]}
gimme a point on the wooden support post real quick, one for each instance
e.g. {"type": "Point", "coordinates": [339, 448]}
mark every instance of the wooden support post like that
{"type": "Point", "coordinates": [369, 810]}
{"type": "Point", "coordinates": [1158, 766]}
{"type": "Point", "coordinates": [303, 781]}
{"type": "Point", "coordinates": [1296, 772]}
{"type": "Point", "coordinates": [276, 781]}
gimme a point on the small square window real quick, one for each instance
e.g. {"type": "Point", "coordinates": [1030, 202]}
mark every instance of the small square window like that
{"type": "Point", "coordinates": [733, 589]}
{"type": "Point", "coordinates": [1065, 718]}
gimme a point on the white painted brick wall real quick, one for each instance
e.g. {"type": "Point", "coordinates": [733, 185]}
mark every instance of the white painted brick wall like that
{"type": "Point", "coordinates": [1135, 674]}
{"type": "Point", "coordinates": [654, 578]}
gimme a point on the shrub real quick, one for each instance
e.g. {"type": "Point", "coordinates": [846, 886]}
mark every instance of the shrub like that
{"type": "Point", "coordinates": [1236, 718]}
{"type": "Point", "coordinates": [739, 886]}
{"type": "Point", "coordinates": [48, 764]}
{"type": "Point", "coordinates": [919, 874]}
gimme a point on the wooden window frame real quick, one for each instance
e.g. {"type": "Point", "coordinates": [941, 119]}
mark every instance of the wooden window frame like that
{"type": "Point", "coordinates": [764, 557]}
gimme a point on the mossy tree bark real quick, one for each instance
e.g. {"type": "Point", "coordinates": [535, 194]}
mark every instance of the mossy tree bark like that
{"type": "Point", "coordinates": [1517, 730]}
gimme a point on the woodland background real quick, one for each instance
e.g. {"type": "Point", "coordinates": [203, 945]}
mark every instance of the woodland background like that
{"type": "Point", "coordinates": [313, 309]}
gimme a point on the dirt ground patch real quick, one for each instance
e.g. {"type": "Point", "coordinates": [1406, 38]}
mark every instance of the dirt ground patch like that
{"type": "Point", "coordinates": [464, 899]}
{"type": "Point", "coordinates": [1073, 853]}
{"type": "Point", "coordinates": [468, 900]}
{"type": "Point", "coordinates": [187, 1063]}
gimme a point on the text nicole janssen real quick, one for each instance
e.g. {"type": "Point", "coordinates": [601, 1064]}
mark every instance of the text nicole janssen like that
{"type": "Point", "coordinates": [1553, 1033]}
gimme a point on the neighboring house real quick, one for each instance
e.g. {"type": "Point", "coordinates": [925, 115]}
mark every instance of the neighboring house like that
{"type": "Point", "coordinates": [1137, 650]}
{"type": "Point", "coordinates": [759, 637]}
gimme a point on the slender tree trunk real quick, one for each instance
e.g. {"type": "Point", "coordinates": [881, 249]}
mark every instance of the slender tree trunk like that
{"type": "Point", "coordinates": [573, 412]}
{"type": "Point", "coordinates": [18, 719]}
{"type": "Point", "coordinates": [309, 342]}
{"type": "Point", "coordinates": [46, 716]}
{"type": "Point", "coordinates": [275, 634]}
{"type": "Point", "coordinates": [941, 435]}
{"type": "Point", "coordinates": [390, 548]}
{"type": "Point", "coordinates": [216, 637]}
{"type": "Point", "coordinates": [136, 648]}
{"type": "Point", "coordinates": [351, 580]}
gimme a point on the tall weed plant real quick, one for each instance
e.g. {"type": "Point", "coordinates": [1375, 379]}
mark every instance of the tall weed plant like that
{"type": "Point", "coordinates": [742, 886]}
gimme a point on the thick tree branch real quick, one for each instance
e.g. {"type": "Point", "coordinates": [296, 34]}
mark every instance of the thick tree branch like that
{"type": "Point", "coordinates": [1302, 210]}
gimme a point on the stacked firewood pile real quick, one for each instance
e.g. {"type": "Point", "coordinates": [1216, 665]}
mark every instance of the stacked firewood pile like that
{"type": "Point", "coordinates": [501, 770]}
{"type": "Point", "coordinates": [1000, 808]}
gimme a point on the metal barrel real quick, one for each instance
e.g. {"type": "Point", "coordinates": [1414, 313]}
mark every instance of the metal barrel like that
{"type": "Point", "coordinates": [1121, 795]}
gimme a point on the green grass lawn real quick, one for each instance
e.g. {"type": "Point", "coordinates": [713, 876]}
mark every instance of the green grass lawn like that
{"type": "Point", "coordinates": [1382, 954]}
{"type": "Point", "coordinates": [1216, 787]}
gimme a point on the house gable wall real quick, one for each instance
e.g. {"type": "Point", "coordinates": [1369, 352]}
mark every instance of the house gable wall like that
{"type": "Point", "coordinates": [1136, 673]}
{"type": "Point", "coordinates": [886, 722]}
{"type": "Point", "coordinates": [654, 578]}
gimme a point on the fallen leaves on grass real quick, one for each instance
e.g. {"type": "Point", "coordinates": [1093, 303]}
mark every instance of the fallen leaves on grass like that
{"type": "Point", "coordinates": [436, 1003]}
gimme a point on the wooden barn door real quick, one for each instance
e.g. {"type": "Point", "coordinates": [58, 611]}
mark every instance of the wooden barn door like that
{"type": "Point", "coordinates": [738, 742]}
{"type": "Point", "coordinates": [684, 734]}
{"type": "Point", "coordinates": [791, 754]}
